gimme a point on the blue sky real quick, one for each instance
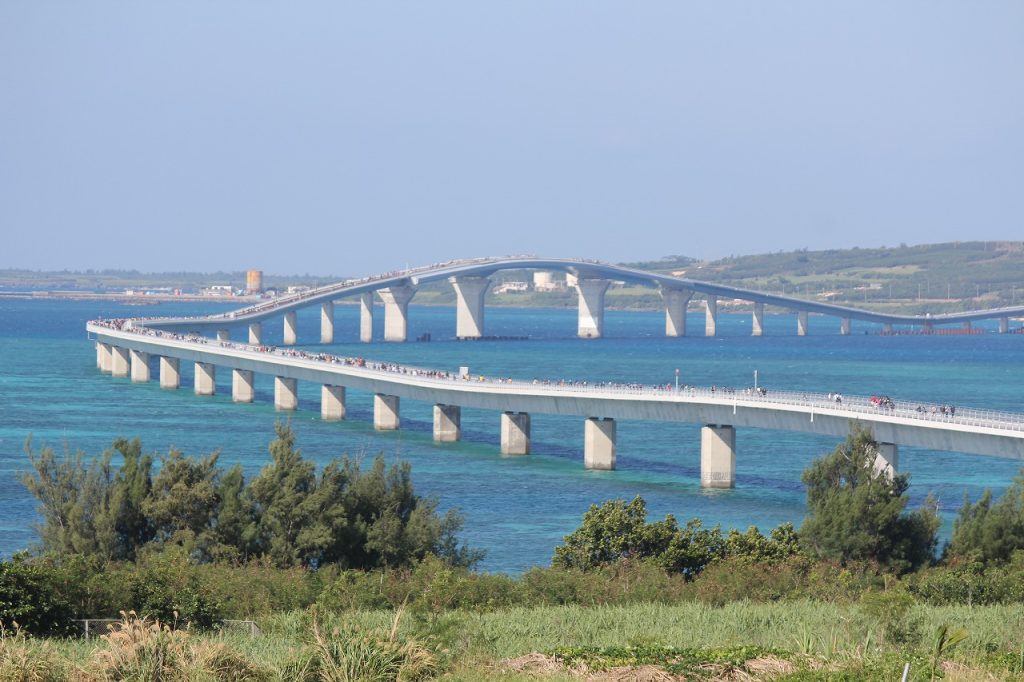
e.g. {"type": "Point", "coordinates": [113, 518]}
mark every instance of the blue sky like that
{"type": "Point", "coordinates": [348, 138]}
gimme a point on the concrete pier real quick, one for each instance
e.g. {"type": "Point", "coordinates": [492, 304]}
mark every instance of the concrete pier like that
{"type": "Point", "coordinates": [676, 302]}
{"type": "Point", "coordinates": [332, 403]}
{"type": "Point", "coordinates": [205, 378]}
{"type": "Point", "coordinates": [223, 334]}
{"type": "Point", "coordinates": [928, 327]}
{"type": "Point", "coordinates": [1004, 325]}
{"type": "Point", "coordinates": [469, 305]}
{"type": "Point", "coordinates": [140, 367]}
{"type": "Point", "coordinates": [887, 459]}
{"type": "Point", "coordinates": [242, 386]}
{"type": "Point", "coordinates": [967, 326]}
{"type": "Point", "coordinates": [515, 433]}
{"type": "Point", "coordinates": [447, 423]}
{"type": "Point", "coordinates": [710, 316]}
{"type": "Point", "coordinates": [255, 334]}
{"type": "Point", "coordinates": [291, 334]}
{"type": "Point", "coordinates": [327, 322]}
{"type": "Point", "coordinates": [104, 361]}
{"type": "Point", "coordinates": [366, 317]}
{"type": "Point", "coordinates": [396, 308]}
{"type": "Point", "coordinates": [286, 394]}
{"type": "Point", "coordinates": [717, 456]}
{"type": "Point", "coordinates": [844, 326]}
{"type": "Point", "coordinates": [599, 444]}
{"type": "Point", "coordinates": [801, 323]}
{"type": "Point", "coordinates": [119, 361]}
{"type": "Point", "coordinates": [386, 412]}
{"type": "Point", "coordinates": [170, 374]}
{"type": "Point", "coordinates": [758, 320]}
{"type": "Point", "coordinates": [887, 328]}
{"type": "Point", "coordinates": [591, 302]}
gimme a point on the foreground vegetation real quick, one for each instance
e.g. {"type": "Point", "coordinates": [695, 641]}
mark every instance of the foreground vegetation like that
{"type": "Point", "coordinates": [350, 575]}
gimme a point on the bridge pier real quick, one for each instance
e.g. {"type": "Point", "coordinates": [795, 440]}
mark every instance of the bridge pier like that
{"type": "Point", "coordinates": [103, 357]}
{"type": "Point", "coordinates": [223, 334]}
{"type": "Point", "coordinates": [927, 327]}
{"type": "Point", "coordinates": [366, 317]}
{"type": "Point", "coordinates": [140, 367]}
{"type": "Point", "coordinates": [205, 378]}
{"type": "Point", "coordinates": [676, 301]}
{"type": "Point", "coordinates": [887, 459]}
{"type": "Point", "coordinates": [1004, 325]}
{"type": "Point", "coordinates": [710, 316]}
{"type": "Point", "coordinates": [396, 306]}
{"type": "Point", "coordinates": [515, 433]}
{"type": "Point", "coordinates": [967, 326]}
{"type": "Point", "coordinates": [599, 444]}
{"type": "Point", "coordinates": [291, 335]}
{"type": "Point", "coordinates": [385, 412]}
{"type": "Point", "coordinates": [717, 456]}
{"type": "Point", "coordinates": [758, 320]}
{"type": "Point", "coordinates": [119, 361]}
{"type": "Point", "coordinates": [170, 374]}
{"type": "Point", "coordinates": [801, 323]}
{"type": "Point", "coordinates": [591, 303]}
{"type": "Point", "coordinates": [255, 334]}
{"type": "Point", "coordinates": [286, 394]}
{"type": "Point", "coordinates": [327, 322]}
{"type": "Point", "coordinates": [242, 386]}
{"type": "Point", "coordinates": [469, 305]}
{"type": "Point", "coordinates": [887, 328]}
{"type": "Point", "coordinates": [844, 326]}
{"type": "Point", "coordinates": [447, 423]}
{"type": "Point", "coordinates": [332, 403]}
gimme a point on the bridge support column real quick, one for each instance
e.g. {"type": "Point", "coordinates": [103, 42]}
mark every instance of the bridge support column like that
{"type": "Point", "coordinates": [223, 334]}
{"type": "Point", "coordinates": [718, 456]}
{"type": "Point", "coordinates": [104, 357]}
{"type": "Point", "coordinates": [591, 316]}
{"type": "Point", "coordinates": [291, 335]}
{"type": "Point", "coordinates": [170, 375]}
{"type": "Point", "coordinates": [515, 433]}
{"type": "Point", "coordinates": [385, 412]}
{"type": "Point", "coordinates": [255, 334]}
{"type": "Point", "coordinates": [758, 320]}
{"type": "Point", "coordinates": [140, 367]}
{"type": "Point", "coordinates": [469, 305]}
{"type": "Point", "coordinates": [1004, 325]}
{"type": "Point", "coordinates": [967, 326]}
{"type": "Point", "coordinates": [332, 403]}
{"type": "Point", "coordinates": [286, 394]}
{"type": "Point", "coordinates": [206, 378]}
{"type": "Point", "coordinates": [599, 444]}
{"type": "Point", "coordinates": [801, 323]}
{"type": "Point", "coordinates": [887, 459]}
{"type": "Point", "coordinates": [242, 386]}
{"type": "Point", "coordinates": [927, 328]}
{"type": "Point", "coordinates": [447, 423]}
{"type": "Point", "coordinates": [396, 306]}
{"type": "Point", "coordinates": [887, 328]}
{"type": "Point", "coordinates": [676, 301]}
{"type": "Point", "coordinates": [844, 326]}
{"type": "Point", "coordinates": [366, 317]}
{"type": "Point", "coordinates": [710, 316]}
{"type": "Point", "coordinates": [327, 322]}
{"type": "Point", "coordinates": [119, 361]}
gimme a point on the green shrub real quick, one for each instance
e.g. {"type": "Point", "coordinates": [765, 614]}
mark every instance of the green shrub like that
{"type": "Point", "coordinates": [31, 598]}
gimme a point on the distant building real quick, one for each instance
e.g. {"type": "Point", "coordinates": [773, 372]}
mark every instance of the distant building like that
{"type": "Point", "coordinates": [218, 290]}
{"type": "Point", "coordinates": [506, 287]}
{"type": "Point", "coordinates": [545, 281]}
{"type": "Point", "coordinates": [254, 281]}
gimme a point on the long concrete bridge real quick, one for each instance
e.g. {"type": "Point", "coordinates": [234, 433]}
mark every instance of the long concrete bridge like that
{"type": "Point", "coordinates": [125, 348]}
{"type": "Point", "coordinates": [471, 280]}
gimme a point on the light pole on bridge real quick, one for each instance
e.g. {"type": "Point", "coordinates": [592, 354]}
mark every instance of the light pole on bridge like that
{"type": "Point", "coordinates": [677, 380]}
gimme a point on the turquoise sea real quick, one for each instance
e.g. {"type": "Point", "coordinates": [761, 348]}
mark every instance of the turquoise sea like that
{"type": "Point", "coordinates": [516, 508]}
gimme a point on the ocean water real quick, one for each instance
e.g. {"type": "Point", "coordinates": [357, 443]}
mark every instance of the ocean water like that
{"type": "Point", "coordinates": [516, 508]}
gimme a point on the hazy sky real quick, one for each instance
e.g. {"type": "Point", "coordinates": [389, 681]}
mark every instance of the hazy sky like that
{"type": "Point", "coordinates": [348, 138]}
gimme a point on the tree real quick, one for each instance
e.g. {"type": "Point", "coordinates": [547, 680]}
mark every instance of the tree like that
{"type": "Point", "coordinates": [856, 512]}
{"type": "Point", "coordinates": [991, 532]}
{"type": "Point", "coordinates": [183, 502]}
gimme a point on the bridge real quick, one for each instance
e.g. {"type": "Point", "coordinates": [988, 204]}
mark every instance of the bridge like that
{"type": "Point", "coordinates": [125, 348]}
{"type": "Point", "coordinates": [471, 280]}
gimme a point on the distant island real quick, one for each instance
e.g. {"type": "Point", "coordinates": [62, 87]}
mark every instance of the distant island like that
{"type": "Point", "coordinates": [935, 278]}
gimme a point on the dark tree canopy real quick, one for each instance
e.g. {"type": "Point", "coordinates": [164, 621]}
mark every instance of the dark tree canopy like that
{"type": "Point", "coordinates": [855, 511]}
{"type": "Point", "coordinates": [991, 531]}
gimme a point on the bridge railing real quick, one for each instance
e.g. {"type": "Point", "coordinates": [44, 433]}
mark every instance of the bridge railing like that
{"type": "Point", "coordinates": [750, 397]}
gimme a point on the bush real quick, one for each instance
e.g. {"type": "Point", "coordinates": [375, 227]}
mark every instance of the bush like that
{"type": "Point", "coordinates": [30, 598]}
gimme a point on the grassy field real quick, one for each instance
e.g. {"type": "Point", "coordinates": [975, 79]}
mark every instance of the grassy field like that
{"type": "Point", "coordinates": [799, 640]}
